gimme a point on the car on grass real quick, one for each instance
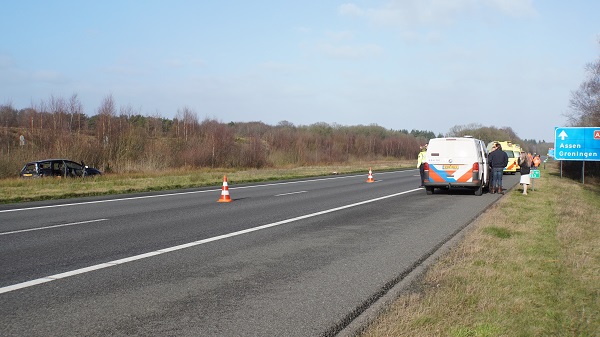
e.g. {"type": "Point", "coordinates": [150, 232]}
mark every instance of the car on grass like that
{"type": "Point", "coordinates": [57, 168]}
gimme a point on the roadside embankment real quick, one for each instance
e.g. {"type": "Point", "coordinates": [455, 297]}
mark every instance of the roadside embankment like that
{"type": "Point", "coordinates": [529, 266]}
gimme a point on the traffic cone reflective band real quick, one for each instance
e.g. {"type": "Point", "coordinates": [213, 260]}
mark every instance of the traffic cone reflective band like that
{"type": "Point", "coordinates": [225, 191]}
{"type": "Point", "coordinates": [370, 178]}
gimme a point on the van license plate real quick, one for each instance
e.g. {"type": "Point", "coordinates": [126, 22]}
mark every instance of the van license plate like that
{"type": "Point", "coordinates": [450, 167]}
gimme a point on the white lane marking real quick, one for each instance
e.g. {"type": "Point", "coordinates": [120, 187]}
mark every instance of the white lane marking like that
{"type": "Point", "coordinates": [50, 227]}
{"type": "Point", "coordinates": [160, 195]}
{"type": "Point", "coordinates": [84, 270]}
{"type": "Point", "coordinates": [181, 193]}
{"type": "Point", "coordinates": [284, 194]}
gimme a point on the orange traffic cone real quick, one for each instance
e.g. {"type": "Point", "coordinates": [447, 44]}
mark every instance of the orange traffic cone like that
{"type": "Point", "coordinates": [225, 191]}
{"type": "Point", "coordinates": [370, 178]}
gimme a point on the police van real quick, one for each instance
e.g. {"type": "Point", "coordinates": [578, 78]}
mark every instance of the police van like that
{"type": "Point", "coordinates": [456, 162]}
{"type": "Point", "coordinates": [513, 151]}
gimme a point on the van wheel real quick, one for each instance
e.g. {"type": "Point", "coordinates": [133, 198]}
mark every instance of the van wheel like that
{"type": "Point", "coordinates": [429, 190]}
{"type": "Point", "coordinates": [479, 191]}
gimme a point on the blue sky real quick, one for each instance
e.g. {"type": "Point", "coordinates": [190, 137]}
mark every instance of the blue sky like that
{"type": "Point", "coordinates": [401, 64]}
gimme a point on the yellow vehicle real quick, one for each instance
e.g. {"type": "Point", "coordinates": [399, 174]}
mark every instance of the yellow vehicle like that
{"type": "Point", "coordinates": [513, 151]}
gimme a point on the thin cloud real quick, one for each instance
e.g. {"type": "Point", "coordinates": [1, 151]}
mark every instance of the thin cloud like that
{"type": "Point", "coordinates": [6, 61]}
{"type": "Point", "coordinates": [350, 10]}
{"type": "Point", "coordinates": [280, 68]}
{"type": "Point", "coordinates": [515, 8]}
{"type": "Point", "coordinates": [184, 62]}
{"type": "Point", "coordinates": [174, 63]}
{"type": "Point", "coordinates": [408, 13]}
{"type": "Point", "coordinates": [198, 62]}
{"type": "Point", "coordinates": [302, 29]}
{"type": "Point", "coordinates": [351, 51]}
{"type": "Point", "coordinates": [49, 76]}
{"type": "Point", "coordinates": [340, 36]}
{"type": "Point", "coordinates": [124, 70]}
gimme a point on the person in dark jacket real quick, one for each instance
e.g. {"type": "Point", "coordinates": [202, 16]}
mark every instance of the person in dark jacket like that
{"type": "Point", "coordinates": [525, 164]}
{"type": "Point", "coordinates": [498, 160]}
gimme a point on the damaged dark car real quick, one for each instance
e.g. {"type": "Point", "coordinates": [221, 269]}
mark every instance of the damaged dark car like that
{"type": "Point", "coordinates": [57, 168]}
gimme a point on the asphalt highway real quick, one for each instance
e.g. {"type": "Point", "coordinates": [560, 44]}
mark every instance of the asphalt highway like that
{"type": "Point", "coordinates": [289, 258]}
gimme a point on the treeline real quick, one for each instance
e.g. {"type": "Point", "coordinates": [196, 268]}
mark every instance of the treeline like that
{"type": "Point", "coordinates": [116, 139]}
{"type": "Point", "coordinates": [489, 134]}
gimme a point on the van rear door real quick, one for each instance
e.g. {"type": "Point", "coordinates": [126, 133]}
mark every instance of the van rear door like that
{"type": "Point", "coordinates": [451, 160]}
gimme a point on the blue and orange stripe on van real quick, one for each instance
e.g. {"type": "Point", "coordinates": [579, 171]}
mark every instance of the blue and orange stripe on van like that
{"type": "Point", "coordinates": [437, 174]}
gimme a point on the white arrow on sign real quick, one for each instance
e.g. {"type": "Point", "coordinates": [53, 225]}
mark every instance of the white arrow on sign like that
{"type": "Point", "coordinates": [563, 135]}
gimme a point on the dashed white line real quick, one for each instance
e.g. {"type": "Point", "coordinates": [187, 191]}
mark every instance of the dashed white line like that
{"type": "Point", "coordinates": [50, 278]}
{"type": "Point", "coordinates": [164, 195]}
{"type": "Point", "coordinates": [50, 227]}
{"type": "Point", "coordinates": [176, 194]}
{"type": "Point", "coordinates": [284, 194]}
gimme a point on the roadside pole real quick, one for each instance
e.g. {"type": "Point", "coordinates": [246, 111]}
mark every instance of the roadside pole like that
{"type": "Point", "coordinates": [535, 174]}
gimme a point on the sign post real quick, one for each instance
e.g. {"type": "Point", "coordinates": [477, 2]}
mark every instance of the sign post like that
{"type": "Point", "coordinates": [577, 144]}
{"type": "Point", "coordinates": [534, 174]}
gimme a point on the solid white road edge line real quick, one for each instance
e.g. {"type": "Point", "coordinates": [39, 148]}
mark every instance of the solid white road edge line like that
{"type": "Point", "coordinates": [31, 283]}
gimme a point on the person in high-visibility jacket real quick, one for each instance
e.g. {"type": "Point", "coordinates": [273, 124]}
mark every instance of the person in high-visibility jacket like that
{"type": "Point", "coordinates": [420, 161]}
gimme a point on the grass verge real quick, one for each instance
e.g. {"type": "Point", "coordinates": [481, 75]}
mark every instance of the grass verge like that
{"type": "Point", "coordinates": [529, 266]}
{"type": "Point", "coordinates": [20, 190]}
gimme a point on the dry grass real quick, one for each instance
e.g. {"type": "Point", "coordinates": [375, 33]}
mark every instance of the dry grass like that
{"type": "Point", "coordinates": [530, 266]}
{"type": "Point", "coordinates": [19, 190]}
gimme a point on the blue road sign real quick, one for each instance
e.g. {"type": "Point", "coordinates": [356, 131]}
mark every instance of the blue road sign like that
{"type": "Point", "coordinates": [577, 143]}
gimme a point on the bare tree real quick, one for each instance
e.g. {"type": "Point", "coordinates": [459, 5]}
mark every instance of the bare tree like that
{"type": "Point", "coordinates": [585, 102]}
{"type": "Point", "coordinates": [585, 111]}
{"type": "Point", "coordinates": [106, 113]}
{"type": "Point", "coordinates": [58, 108]}
{"type": "Point", "coordinates": [75, 109]}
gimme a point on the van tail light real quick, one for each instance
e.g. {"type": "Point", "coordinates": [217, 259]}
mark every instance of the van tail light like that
{"type": "Point", "coordinates": [426, 166]}
{"type": "Point", "coordinates": [475, 172]}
